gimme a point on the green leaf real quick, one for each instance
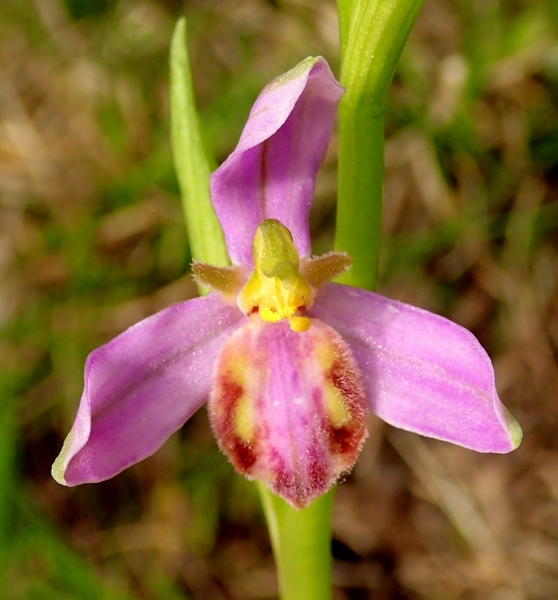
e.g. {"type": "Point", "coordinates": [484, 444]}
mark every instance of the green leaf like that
{"type": "Point", "coordinates": [190, 158]}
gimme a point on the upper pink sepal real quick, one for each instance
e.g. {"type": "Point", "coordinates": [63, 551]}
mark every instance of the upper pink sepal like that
{"type": "Point", "coordinates": [288, 408]}
{"type": "Point", "coordinates": [421, 372]}
{"type": "Point", "coordinates": [272, 171]}
{"type": "Point", "coordinates": [142, 386]}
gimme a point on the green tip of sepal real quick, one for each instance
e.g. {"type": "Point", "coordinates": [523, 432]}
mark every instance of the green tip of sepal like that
{"type": "Point", "coordinates": [58, 469]}
{"type": "Point", "coordinates": [514, 429]}
{"type": "Point", "coordinates": [303, 66]}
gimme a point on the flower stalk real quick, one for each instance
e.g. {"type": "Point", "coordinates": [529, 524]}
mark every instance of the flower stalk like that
{"type": "Point", "coordinates": [301, 542]}
{"type": "Point", "coordinates": [372, 34]}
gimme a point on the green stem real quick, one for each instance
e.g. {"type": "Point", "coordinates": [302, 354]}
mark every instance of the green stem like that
{"type": "Point", "coordinates": [372, 39]}
{"type": "Point", "coordinates": [301, 542]}
{"type": "Point", "coordinates": [359, 209]}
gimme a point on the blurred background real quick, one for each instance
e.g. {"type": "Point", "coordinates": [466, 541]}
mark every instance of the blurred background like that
{"type": "Point", "coordinates": [92, 240]}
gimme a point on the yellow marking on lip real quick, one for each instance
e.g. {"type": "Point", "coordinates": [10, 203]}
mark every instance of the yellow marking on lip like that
{"type": "Point", "coordinates": [239, 366]}
{"type": "Point", "coordinates": [244, 418]}
{"type": "Point", "coordinates": [336, 406]}
{"type": "Point", "coordinates": [334, 400]}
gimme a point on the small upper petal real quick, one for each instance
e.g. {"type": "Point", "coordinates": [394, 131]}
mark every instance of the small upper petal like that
{"type": "Point", "coordinates": [272, 171]}
{"type": "Point", "coordinates": [142, 386]}
{"type": "Point", "coordinates": [421, 371]}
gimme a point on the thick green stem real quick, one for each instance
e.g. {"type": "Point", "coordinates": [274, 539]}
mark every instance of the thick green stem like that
{"type": "Point", "coordinates": [372, 39]}
{"type": "Point", "coordinates": [344, 14]}
{"type": "Point", "coordinates": [301, 541]}
{"type": "Point", "coordinates": [359, 209]}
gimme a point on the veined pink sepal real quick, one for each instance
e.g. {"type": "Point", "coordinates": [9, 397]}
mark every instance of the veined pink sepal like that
{"type": "Point", "coordinates": [288, 408]}
{"type": "Point", "coordinates": [272, 172]}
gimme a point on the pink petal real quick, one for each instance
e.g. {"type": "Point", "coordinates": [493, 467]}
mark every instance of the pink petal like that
{"type": "Point", "coordinates": [142, 386]}
{"type": "Point", "coordinates": [288, 408]}
{"type": "Point", "coordinates": [272, 171]}
{"type": "Point", "coordinates": [421, 372]}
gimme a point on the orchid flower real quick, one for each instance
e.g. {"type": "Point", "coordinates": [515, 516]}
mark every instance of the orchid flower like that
{"type": "Point", "coordinates": [288, 362]}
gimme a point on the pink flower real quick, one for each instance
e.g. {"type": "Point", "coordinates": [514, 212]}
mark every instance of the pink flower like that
{"type": "Point", "coordinates": [289, 362]}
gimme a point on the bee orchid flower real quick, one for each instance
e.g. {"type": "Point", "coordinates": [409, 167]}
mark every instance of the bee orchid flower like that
{"type": "Point", "coordinates": [288, 362]}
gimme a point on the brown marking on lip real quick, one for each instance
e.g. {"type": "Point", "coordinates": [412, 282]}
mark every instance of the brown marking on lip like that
{"type": "Point", "coordinates": [241, 454]}
{"type": "Point", "coordinates": [347, 440]}
{"type": "Point", "coordinates": [227, 393]}
{"type": "Point", "coordinates": [340, 440]}
{"type": "Point", "coordinates": [344, 378]}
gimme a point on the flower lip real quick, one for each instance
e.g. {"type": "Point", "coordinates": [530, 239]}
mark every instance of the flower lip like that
{"type": "Point", "coordinates": [287, 408]}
